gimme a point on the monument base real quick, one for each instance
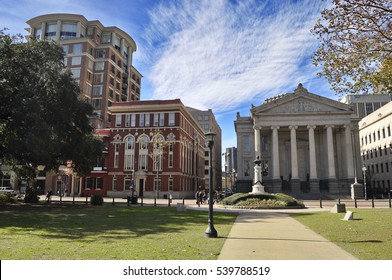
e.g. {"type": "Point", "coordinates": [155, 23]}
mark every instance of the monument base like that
{"type": "Point", "coordinates": [258, 188]}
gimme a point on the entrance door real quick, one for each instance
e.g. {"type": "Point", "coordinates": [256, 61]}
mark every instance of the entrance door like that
{"type": "Point", "coordinates": [140, 189]}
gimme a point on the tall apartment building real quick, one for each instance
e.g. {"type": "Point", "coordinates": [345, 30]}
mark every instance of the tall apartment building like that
{"type": "Point", "coordinates": [365, 104]}
{"type": "Point", "coordinates": [99, 57]}
{"type": "Point", "coordinates": [376, 150]}
{"type": "Point", "coordinates": [207, 121]}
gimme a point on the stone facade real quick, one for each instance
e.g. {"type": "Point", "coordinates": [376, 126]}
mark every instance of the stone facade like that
{"type": "Point", "coordinates": [308, 144]}
{"type": "Point", "coordinates": [376, 150]}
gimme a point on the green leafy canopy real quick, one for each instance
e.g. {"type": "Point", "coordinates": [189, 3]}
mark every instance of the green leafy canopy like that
{"type": "Point", "coordinates": [355, 54]}
{"type": "Point", "coordinates": [42, 120]}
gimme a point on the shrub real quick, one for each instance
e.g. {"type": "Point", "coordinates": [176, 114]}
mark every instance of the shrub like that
{"type": "Point", "coordinates": [96, 199]}
{"type": "Point", "coordinates": [31, 196]}
{"type": "Point", "coordinates": [261, 200]}
{"type": "Point", "coordinates": [7, 199]}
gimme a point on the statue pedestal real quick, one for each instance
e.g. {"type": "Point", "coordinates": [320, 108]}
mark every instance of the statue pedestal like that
{"type": "Point", "coordinates": [258, 188]}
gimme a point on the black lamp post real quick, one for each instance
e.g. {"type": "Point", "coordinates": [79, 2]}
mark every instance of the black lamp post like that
{"type": "Point", "coordinates": [210, 231]}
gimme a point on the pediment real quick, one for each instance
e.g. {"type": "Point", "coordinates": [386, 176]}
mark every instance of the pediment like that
{"type": "Point", "coordinates": [300, 103]}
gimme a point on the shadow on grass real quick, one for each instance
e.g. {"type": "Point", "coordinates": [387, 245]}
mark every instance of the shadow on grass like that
{"type": "Point", "coordinates": [110, 222]}
{"type": "Point", "coordinates": [366, 241]}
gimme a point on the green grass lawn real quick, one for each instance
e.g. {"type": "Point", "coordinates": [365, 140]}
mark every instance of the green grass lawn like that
{"type": "Point", "coordinates": [109, 233]}
{"type": "Point", "coordinates": [368, 236]}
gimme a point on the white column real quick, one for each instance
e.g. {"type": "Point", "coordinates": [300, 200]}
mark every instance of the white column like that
{"type": "Point", "coordinates": [294, 157]}
{"type": "Point", "coordinates": [349, 151]}
{"type": "Point", "coordinates": [58, 30]}
{"type": "Point", "coordinates": [43, 30]}
{"type": "Point", "coordinates": [275, 153]}
{"type": "Point", "coordinates": [257, 141]}
{"type": "Point", "coordinates": [78, 29]}
{"type": "Point", "coordinates": [312, 153]}
{"type": "Point", "coordinates": [331, 153]}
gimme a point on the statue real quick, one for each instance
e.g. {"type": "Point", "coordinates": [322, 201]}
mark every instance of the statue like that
{"type": "Point", "coordinates": [258, 178]}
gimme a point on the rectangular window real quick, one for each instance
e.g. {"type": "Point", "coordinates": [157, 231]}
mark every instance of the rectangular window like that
{"type": "Point", "coordinates": [65, 49]}
{"type": "Point", "coordinates": [161, 119]}
{"type": "Point", "coordinates": [133, 120]}
{"type": "Point", "coordinates": [129, 162]}
{"type": "Point", "coordinates": [171, 119]}
{"type": "Point", "coordinates": [90, 64]}
{"type": "Point", "coordinates": [89, 89]}
{"type": "Point", "coordinates": [100, 54]}
{"type": "Point", "coordinates": [68, 31]}
{"type": "Point", "coordinates": [156, 119]}
{"type": "Point", "coordinates": [76, 60]}
{"type": "Point", "coordinates": [246, 168]}
{"type": "Point", "coordinates": [246, 143]}
{"type": "Point", "coordinates": [127, 184]}
{"type": "Point", "coordinates": [116, 155]}
{"type": "Point", "coordinates": [88, 183]}
{"type": "Point", "coordinates": [97, 90]}
{"type": "Point", "coordinates": [147, 120]}
{"type": "Point", "coordinates": [97, 103]}
{"type": "Point", "coordinates": [171, 157]}
{"type": "Point", "coordinates": [141, 120]}
{"type": "Point", "coordinates": [77, 48]}
{"type": "Point", "coordinates": [98, 78]}
{"type": "Point", "coordinates": [170, 184]}
{"type": "Point", "coordinates": [369, 108]}
{"type": "Point", "coordinates": [157, 162]}
{"type": "Point", "coordinates": [157, 183]}
{"type": "Point", "coordinates": [106, 38]}
{"type": "Point", "coordinates": [75, 73]}
{"type": "Point", "coordinates": [99, 66]}
{"type": "Point", "coordinates": [50, 32]}
{"type": "Point", "coordinates": [143, 162]}
{"type": "Point", "coordinates": [114, 186]}
{"type": "Point", "coordinates": [98, 183]}
{"type": "Point", "coordinates": [118, 120]}
{"type": "Point", "coordinates": [37, 33]}
{"type": "Point", "coordinates": [127, 120]}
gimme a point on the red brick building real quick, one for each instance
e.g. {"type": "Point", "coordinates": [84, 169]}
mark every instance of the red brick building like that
{"type": "Point", "coordinates": [154, 148]}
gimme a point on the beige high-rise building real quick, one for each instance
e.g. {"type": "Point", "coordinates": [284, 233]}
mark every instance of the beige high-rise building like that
{"type": "Point", "coordinates": [99, 57]}
{"type": "Point", "coordinates": [206, 119]}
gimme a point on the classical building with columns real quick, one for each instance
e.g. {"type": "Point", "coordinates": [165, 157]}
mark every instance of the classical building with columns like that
{"type": "Point", "coordinates": [308, 144]}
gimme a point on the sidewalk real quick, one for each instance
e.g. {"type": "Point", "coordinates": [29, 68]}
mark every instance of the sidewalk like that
{"type": "Point", "coordinates": [270, 235]}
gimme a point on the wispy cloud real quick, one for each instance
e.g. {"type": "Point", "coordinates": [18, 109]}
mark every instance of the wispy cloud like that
{"type": "Point", "coordinates": [217, 54]}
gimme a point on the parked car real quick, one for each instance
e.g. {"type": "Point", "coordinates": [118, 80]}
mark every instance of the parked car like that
{"type": "Point", "coordinates": [8, 190]}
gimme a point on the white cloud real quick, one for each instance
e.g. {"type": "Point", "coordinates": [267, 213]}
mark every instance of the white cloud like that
{"type": "Point", "coordinates": [216, 54]}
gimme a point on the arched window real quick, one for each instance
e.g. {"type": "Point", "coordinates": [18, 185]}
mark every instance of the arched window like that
{"type": "Point", "coordinates": [129, 142]}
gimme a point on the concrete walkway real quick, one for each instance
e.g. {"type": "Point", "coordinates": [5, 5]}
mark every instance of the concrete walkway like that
{"type": "Point", "coordinates": [274, 235]}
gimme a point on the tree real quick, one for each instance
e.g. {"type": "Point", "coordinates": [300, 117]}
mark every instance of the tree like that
{"type": "Point", "coordinates": [42, 121]}
{"type": "Point", "coordinates": [356, 46]}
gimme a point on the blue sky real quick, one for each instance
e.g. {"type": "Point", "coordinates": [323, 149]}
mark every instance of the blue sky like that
{"type": "Point", "coordinates": [222, 55]}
